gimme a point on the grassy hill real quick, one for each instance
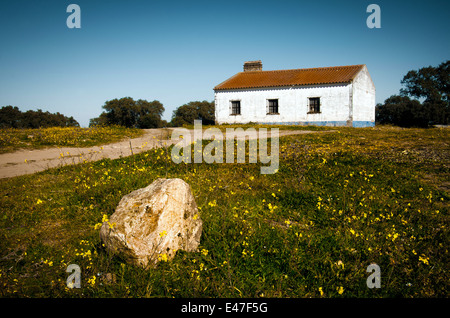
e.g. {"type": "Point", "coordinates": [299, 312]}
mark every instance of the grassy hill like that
{"type": "Point", "coordinates": [339, 202]}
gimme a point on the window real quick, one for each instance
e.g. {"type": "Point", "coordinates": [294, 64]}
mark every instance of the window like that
{"type": "Point", "coordinates": [314, 105]}
{"type": "Point", "coordinates": [235, 107]}
{"type": "Point", "coordinates": [273, 106]}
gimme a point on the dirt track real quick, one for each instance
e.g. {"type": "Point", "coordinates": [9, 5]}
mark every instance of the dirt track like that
{"type": "Point", "coordinates": [30, 161]}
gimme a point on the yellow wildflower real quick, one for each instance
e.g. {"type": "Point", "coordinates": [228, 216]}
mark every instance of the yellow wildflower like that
{"type": "Point", "coordinates": [97, 226]}
{"type": "Point", "coordinates": [394, 237]}
{"type": "Point", "coordinates": [163, 257]}
{"type": "Point", "coordinates": [91, 281]}
{"type": "Point", "coordinates": [321, 291]}
{"type": "Point", "coordinates": [424, 259]}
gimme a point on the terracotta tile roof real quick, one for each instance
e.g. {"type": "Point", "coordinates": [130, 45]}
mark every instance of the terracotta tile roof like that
{"type": "Point", "coordinates": [305, 76]}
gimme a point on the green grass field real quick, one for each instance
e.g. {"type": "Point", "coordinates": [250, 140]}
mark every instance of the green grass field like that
{"type": "Point", "coordinates": [340, 201]}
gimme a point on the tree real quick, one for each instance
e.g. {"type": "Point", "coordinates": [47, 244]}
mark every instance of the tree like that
{"type": "Point", "coordinates": [149, 114]}
{"type": "Point", "coordinates": [130, 113]}
{"type": "Point", "coordinates": [187, 113]}
{"type": "Point", "coordinates": [432, 84]}
{"type": "Point", "coordinates": [121, 112]}
{"type": "Point", "coordinates": [402, 111]}
{"type": "Point", "coordinates": [10, 117]}
{"type": "Point", "coordinates": [98, 121]}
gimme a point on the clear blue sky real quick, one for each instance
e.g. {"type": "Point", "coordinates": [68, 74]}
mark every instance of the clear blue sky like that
{"type": "Point", "coordinates": [177, 51]}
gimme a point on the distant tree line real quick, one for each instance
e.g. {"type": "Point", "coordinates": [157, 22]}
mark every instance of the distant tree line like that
{"type": "Point", "coordinates": [12, 117]}
{"type": "Point", "coordinates": [144, 114]}
{"type": "Point", "coordinates": [123, 112]}
{"type": "Point", "coordinates": [432, 84]}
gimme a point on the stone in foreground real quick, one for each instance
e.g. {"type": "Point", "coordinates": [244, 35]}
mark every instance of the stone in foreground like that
{"type": "Point", "coordinates": [152, 223]}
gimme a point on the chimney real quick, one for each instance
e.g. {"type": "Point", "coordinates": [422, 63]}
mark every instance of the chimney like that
{"type": "Point", "coordinates": [252, 66]}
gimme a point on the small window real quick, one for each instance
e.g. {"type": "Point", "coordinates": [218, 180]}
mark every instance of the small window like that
{"type": "Point", "coordinates": [273, 106]}
{"type": "Point", "coordinates": [314, 105]}
{"type": "Point", "coordinates": [235, 107]}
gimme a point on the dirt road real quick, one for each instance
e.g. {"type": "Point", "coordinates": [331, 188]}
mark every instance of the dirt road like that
{"type": "Point", "coordinates": [30, 161]}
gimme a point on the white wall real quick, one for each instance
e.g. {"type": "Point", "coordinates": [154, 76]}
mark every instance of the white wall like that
{"type": "Point", "coordinates": [363, 97]}
{"type": "Point", "coordinates": [293, 104]}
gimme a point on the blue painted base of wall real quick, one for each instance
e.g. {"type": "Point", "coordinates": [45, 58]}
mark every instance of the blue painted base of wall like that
{"type": "Point", "coordinates": [358, 124]}
{"type": "Point", "coordinates": [363, 124]}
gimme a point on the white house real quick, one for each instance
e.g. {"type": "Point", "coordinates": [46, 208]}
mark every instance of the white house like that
{"type": "Point", "coordinates": [332, 96]}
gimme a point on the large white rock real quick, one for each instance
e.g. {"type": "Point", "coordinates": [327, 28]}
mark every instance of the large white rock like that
{"type": "Point", "coordinates": [152, 223]}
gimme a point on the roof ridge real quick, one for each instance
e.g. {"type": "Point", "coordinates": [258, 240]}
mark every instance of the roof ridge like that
{"type": "Point", "coordinates": [306, 69]}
